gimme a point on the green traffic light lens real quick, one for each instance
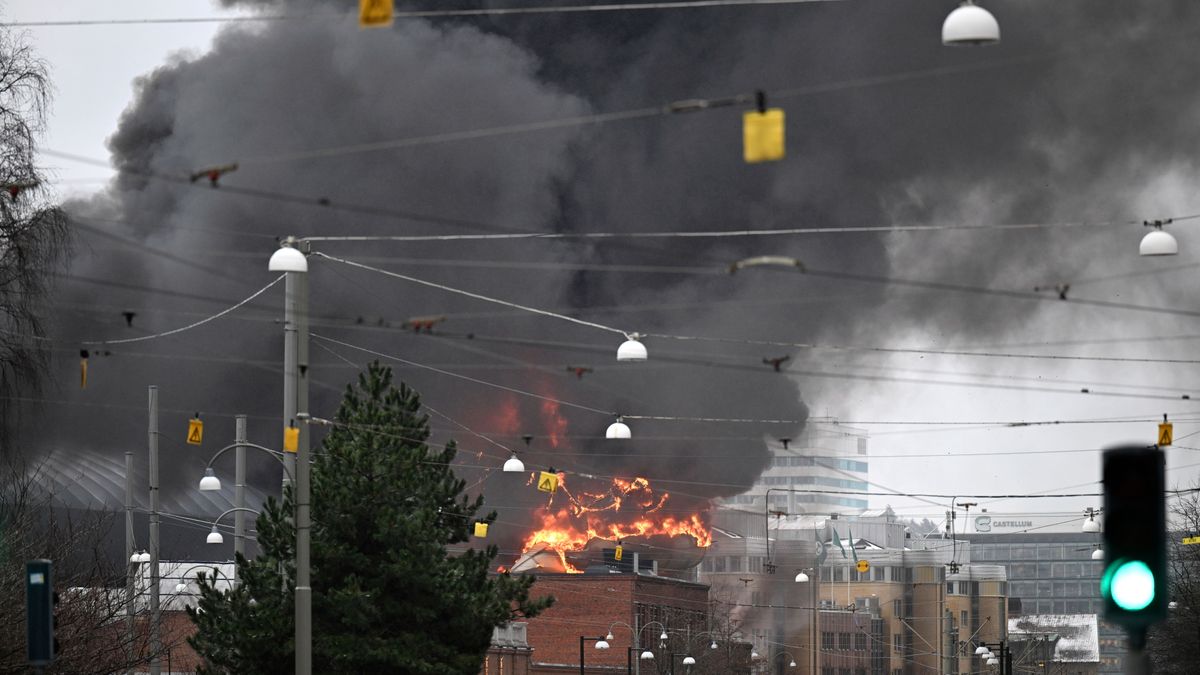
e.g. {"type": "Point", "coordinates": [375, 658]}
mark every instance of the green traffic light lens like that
{"type": "Point", "coordinates": [1131, 585]}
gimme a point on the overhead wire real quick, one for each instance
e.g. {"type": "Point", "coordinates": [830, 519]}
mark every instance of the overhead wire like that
{"type": "Point", "coordinates": [418, 13]}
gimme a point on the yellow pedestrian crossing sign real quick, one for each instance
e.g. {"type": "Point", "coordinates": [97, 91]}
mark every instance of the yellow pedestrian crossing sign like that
{"type": "Point", "coordinates": [195, 431]}
{"type": "Point", "coordinates": [547, 482]}
{"type": "Point", "coordinates": [1165, 433]}
{"type": "Point", "coordinates": [375, 13]}
{"type": "Point", "coordinates": [291, 439]}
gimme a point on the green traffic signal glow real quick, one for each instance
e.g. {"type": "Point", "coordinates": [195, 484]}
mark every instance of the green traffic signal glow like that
{"type": "Point", "coordinates": [1131, 585]}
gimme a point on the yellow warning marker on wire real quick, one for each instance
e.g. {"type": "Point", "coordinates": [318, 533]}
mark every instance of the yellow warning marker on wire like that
{"type": "Point", "coordinates": [1188, 541]}
{"type": "Point", "coordinates": [291, 439]}
{"type": "Point", "coordinates": [762, 133]}
{"type": "Point", "coordinates": [547, 481]}
{"type": "Point", "coordinates": [481, 530]}
{"type": "Point", "coordinates": [618, 553]}
{"type": "Point", "coordinates": [195, 430]}
{"type": "Point", "coordinates": [1166, 432]}
{"type": "Point", "coordinates": [375, 13]}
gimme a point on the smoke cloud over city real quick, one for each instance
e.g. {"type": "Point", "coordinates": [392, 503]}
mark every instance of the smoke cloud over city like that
{"type": "Point", "coordinates": [886, 127]}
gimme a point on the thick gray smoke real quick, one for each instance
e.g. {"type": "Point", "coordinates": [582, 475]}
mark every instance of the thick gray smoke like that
{"type": "Point", "coordinates": [1044, 129]}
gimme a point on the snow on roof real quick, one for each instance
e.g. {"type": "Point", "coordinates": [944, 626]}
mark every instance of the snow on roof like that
{"type": "Point", "coordinates": [1075, 636]}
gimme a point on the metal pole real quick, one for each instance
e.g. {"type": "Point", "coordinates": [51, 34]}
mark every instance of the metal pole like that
{"type": "Point", "coordinates": [581, 639]}
{"type": "Point", "coordinates": [130, 565]}
{"type": "Point", "coordinates": [296, 402]}
{"type": "Point", "coordinates": [239, 493]}
{"type": "Point", "coordinates": [155, 628]}
{"type": "Point", "coordinates": [816, 619]}
{"type": "Point", "coordinates": [290, 349]}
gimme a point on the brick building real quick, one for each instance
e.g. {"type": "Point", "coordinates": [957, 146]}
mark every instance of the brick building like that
{"type": "Point", "coordinates": [636, 609]}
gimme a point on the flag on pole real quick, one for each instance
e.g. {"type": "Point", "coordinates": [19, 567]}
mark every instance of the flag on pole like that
{"type": "Point", "coordinates": [853, 552]}
{"type": "Point", "coordinates": [837, 541]}
{"type": "Point", "coordinates": [820, 550]}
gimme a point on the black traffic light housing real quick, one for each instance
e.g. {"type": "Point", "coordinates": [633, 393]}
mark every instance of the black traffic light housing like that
{"type": "Point", "coordinates": [1134, 583]}
{"type": "Point", "coordinates": [40, 600]}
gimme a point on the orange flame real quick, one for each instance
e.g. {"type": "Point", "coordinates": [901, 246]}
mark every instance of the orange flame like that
{"type": "Point", "coordinates": [628, 508]}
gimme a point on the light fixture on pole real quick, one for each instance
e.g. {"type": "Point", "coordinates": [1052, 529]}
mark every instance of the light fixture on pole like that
{"type": "Point", "coordinates": [646, 655]}
{"type": "Point", "coordinates": [514, 464]}
{"type": "Point", "coordinates": [1090, 525]}
{"type": "Point", "coordinates": [981, 650]}
{"type": "Point", "coordinates": [618, 429]}
{"type": "Point", "coordinates": [689, 661]}
{"type": "Point", "coordinates": [215, 537]}
{"type": "Point", "coordinates": [632, 349]}
{"type": "Point", "coordinates": [210, 481]}
{"type": "Point", "coordinates": [1158, 241]}
{"type": "Point", "coordinates": [1098, 554]}
{"type": "Point", "coordinates": [970, 24]}
{"type": "Point", "coordinates": [801, 577]}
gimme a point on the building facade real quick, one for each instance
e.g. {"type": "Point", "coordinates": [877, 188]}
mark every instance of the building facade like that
{"type": "Point", "coordinates": [823, 470]}
{"type": "Point", "coordinates": [1052, 573]}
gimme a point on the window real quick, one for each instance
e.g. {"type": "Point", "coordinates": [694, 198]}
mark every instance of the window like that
{"type": "Point", "coordinates": [826, 670]}
{"type": "Point", "coordinates": [843, 671]}
{"type": "Point", "coordinates": [827, 640]}
{"type": "Point", "coordinates": [897, 642]}
{"type": "Point", "coordinates": [897, 608]}
{"type": "Point", "coordinates": [966, 617]}
{"type": "Point", "coordinates": [844, 641]}
{"type": "Point", "coordinates": [860, 642]}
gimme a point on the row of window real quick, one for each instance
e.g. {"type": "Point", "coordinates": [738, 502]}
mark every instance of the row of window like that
{"type": "Point", "coordinates": [814, 480]}
{"type": "Point", "coordinates": [831, 462]}
{"type": "Point", "coordinates": [1043, 588]}
{"type": "Point", "coordinates": [1048, 570]}
{"type": "Point", "coordinates": [818, 499]}
{"type": "Point", "coordinates": [1004, 552]}
{"type": "Point", "coordinates": [831, 641]}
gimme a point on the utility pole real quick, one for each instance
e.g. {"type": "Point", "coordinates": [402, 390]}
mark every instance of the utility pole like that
{"type": "Point", "coordinates": [130, 565]}
{"type": "Point", "coordinates": [239, 493]}
{"type": "Point", "coordinates": [950, 654]}
{"type": "Point", "coordinates": [155, 628]}
{"type": "Point", "coordinates": [290, 259]}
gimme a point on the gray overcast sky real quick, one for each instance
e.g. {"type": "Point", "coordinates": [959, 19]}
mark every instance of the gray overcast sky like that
{"type": "Point", "coordinates": [93, 68]}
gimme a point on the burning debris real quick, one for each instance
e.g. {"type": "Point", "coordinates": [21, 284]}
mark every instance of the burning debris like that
{"type": "Point", "coordinates": [626, 509]}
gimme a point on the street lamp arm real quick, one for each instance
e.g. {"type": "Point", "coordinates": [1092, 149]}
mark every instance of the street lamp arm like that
{"type": "Point", "coordinates": [274, 453]}
{"type": "Point", "coordinates": [234, 510]}
{"type": "Point", "coordinates": [216, 571]}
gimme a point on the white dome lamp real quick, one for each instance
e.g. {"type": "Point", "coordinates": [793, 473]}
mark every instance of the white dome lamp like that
{"type": "Point", "coordinates": [632, 349]}
{"type": "Point", "coordinates": [1090, 526]}
{"type": "Point", "coordinates": [601, 644]}
{"type": "Point", "coordinates": [180, 587]}
{"type": "Point", "coordinates": [981, 650]}
{"type": "Point", "coordinates": [662, 637]}
{"type": "Point", "coordinates": [1158, 242]}
{"type": "Point", "coordinates": [647, 655]}
{"type": "Point", "coordinates": [618, 430]}
{"type": "Point", "coordinates": [215, 537]}
{"type": "Point", "coordinates": [288, 259]}
{"type": "Point", "coordinates": [993, 661]}
{"type": "Point", "coordinates": [514, 464]}
{"type": "Point", "coordinates": [792, 664]}
{"type": "Point", "coordinates": [689, 661]}
{"type": "Point", "coordinates": [1098, 554]}
{"type": "Point", "coordinates": [801, 578]}
{"type": "Point", "coordinates": [970, 24]}
{"type": "Point", "coordinates": [210, 481]}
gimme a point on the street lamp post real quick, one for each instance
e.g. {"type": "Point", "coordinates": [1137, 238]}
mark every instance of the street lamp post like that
{"type": "Point", "coordinates": [601, 643]}
{"type": "Point", "coordinates": [1002, 656]}
{"type": "Point", "coordinates": [290, 260]}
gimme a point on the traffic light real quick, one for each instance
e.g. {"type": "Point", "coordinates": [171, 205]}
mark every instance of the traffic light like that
{"type": "Point", "coordinates": [1134, 583]}
{"type": "Point", "coordinates": [40, 599]}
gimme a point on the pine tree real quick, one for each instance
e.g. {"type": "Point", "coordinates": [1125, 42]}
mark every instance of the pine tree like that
{"type": "Point", "coordinates": [387, 596]}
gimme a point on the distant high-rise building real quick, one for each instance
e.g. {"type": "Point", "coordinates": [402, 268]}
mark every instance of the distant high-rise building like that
{"type": "Point", "coordinates": [823, 470]}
